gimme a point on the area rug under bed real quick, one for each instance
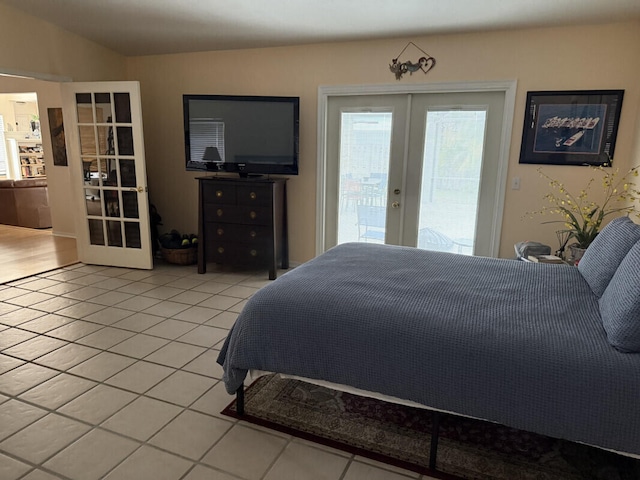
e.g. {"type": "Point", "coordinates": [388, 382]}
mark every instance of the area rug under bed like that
{"type": "Point", "coordinates": [398, 435]}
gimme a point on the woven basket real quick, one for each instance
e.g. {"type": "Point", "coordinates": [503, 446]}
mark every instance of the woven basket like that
{"type": "Point", "coordinates": [180, 256]}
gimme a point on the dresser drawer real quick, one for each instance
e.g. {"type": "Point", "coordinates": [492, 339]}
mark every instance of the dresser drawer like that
{"type": "Point", "coordinates": [219, 193]}
{"type": "Point", "coordinates": [237, 214]}
{"type": "Point", "coordinates": [253, 195]}
{"type": "Point", "coordinates": [234, 253]}
{"type": "Point", "coordinates": [244, 234]}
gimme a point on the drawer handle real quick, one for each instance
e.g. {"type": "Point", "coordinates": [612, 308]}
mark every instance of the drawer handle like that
{"type": "Point", "coordinates": [252, 234]}
{"type": "Point", "coordinates": [219, 212]}
{"type": "Point", "coordinates": [253, 215]}
{"type": "Point", "coordinates": [220, 232]}
{"type": "Point", "coordinates": [252, 195]}
{"type": "Point", "coordinates": [253, 253]}
{"type": "Point", "coordinates": [219, 193]}
{"type": "Point", "coordinates": [220, 249]}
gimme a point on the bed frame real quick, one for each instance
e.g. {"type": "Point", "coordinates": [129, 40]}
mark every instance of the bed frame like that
{"type": "Point", "coordinates": [520, 344]}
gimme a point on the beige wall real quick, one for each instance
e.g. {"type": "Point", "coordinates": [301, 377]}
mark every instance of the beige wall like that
{"type": "Point", "coordinates": [593, 57]}
{"type": "Point", "coordinates": [33, 45]}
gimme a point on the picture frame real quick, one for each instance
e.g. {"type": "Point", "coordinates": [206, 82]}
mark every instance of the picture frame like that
{"type": "Point", "coordinates": [56, 128]}
{"type": "Point", "coordinates": [575, 127]}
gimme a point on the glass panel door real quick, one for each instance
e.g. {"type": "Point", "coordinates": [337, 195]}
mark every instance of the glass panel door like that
{"type": "Point", "coordinates": [107, 162]}
{"type": "Point", "coordinates": [414, 169]}
{"type": "Point", "coordinates": [366, 139]}
{"type": "Point", "coordinates": [452, 171]}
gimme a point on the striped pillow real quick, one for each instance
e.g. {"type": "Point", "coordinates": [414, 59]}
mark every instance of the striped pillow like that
{"type": "Point", "coordinates": [601, 260]}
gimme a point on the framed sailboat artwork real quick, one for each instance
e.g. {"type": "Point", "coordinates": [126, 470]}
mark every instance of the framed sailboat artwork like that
{"type": "Point", "coordinates": [571, 127]}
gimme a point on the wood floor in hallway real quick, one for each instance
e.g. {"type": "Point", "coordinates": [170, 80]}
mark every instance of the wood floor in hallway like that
{"type": "Point", "coordinates": [29, 251]}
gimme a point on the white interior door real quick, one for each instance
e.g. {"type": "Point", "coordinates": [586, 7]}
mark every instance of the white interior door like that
{"type": "Point", "coordinates": [103, 125]}
{"type": "Point", "coordinates": [414, 169]}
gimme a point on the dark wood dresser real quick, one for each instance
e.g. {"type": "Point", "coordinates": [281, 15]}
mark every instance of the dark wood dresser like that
{"type": "Point", "coordinates": [243, 222]}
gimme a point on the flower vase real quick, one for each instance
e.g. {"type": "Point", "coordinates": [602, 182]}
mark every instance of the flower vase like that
{"type": "Point", "coordinates": [576, 253]}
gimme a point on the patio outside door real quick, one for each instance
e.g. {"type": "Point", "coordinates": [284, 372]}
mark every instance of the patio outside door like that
{"type": "Point", "coordinates": [416, 170]}
{"type": "Point", "coordinates": [103, 124]}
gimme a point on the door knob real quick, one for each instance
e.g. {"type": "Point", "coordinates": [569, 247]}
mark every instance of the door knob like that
{"type": "Point", "coordinates": [395, 204]}
{"type": "Point", "coordinates": [397, 191]}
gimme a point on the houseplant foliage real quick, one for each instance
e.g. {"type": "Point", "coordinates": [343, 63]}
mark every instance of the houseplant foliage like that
{"type": "Point", "coordinates": [581, 214]}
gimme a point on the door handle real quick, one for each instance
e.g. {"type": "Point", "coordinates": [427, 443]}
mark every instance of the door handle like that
{"type": "Point", "coordinates": [139, 189]}
{"type": "Point", "coordinates": [395, 204]}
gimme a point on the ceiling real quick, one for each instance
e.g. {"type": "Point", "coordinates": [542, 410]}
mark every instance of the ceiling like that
{"type": "Point", "coordinates": [148, 27]}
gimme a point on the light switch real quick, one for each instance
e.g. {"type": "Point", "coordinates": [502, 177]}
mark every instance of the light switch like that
{"type": "Point", "coordinates": [515, 183]}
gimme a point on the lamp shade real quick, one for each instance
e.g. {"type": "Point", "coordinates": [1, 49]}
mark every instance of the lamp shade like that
{"type": "Point", "coordinates": [211, 154]}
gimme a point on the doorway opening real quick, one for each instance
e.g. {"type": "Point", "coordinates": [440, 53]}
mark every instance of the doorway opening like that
{"type": "Point", "coordinates": [21, 149]}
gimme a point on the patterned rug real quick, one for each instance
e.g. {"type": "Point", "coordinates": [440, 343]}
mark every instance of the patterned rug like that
{"type": "Point", "coordinates": [398, 435]}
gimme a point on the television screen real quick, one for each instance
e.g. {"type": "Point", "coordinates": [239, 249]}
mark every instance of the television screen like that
{"type": "Point", "coordinates": [243, 134]}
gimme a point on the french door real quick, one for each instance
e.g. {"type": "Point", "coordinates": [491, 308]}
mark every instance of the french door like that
{"type": "Point", "coordinates": [419, 170]}
{"type": "Point", "coordinates": [103, 124]}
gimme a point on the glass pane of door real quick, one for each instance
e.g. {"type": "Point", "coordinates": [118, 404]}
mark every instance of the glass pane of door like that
{"type": "Point", "coordinates": [103, 108]}
{"type": "Point", "coordinates": [365, 144]}
{"type": "Point", "coordinates": [123, 107]}
{"type": "Point", "coordinates": [452, 163]}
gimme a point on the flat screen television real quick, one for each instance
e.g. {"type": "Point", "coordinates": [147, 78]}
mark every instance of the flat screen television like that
{"type": "Point", "coordinates": [248, 135]}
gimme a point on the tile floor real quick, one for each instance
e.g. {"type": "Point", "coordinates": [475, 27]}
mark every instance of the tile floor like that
{"type": "Point", "coordinates": [110, 373]}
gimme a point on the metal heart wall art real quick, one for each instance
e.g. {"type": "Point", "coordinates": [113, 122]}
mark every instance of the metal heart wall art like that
{"type": "Point", "coordinates": [424, 63]}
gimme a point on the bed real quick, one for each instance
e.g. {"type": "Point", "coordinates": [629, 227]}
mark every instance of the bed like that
{"type": "Point", "coordinates": [551, 349]}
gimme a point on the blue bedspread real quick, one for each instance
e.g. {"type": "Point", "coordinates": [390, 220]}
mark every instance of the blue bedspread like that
{"type": "Point", "coordinates": [516, 343]}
